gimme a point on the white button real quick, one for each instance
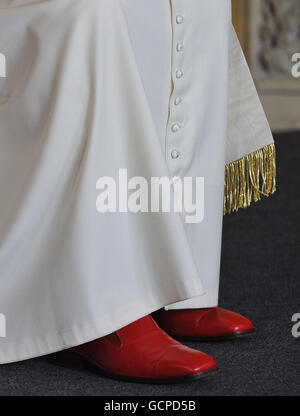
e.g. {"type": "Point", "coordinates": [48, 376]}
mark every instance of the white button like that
{"type": "Point", "coordinates": [179, 74]}
{"type": "Point", "coordinates": [176, 127]}
{"type": "Point", "coordinates": [179, 19]}
{"type": "Point", "coordinates": [178, 100]}
{"type": "Point", "coordinates": [175, 154]}
{"type": "Point", "coordinates": [179, 47]}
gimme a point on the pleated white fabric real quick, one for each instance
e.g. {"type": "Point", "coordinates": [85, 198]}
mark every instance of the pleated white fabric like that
{"type": "Point", "coordinates": [90, 89]}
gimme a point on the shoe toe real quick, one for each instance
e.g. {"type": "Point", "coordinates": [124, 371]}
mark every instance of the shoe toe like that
{"type": "Point", "coordinates": [182, 361]}
{"type": "Point", "coordinates": [222, 321]}
{"type": "Point", "coordinates": [236, 322]}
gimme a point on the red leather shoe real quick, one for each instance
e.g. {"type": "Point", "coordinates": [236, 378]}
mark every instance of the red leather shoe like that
{"type": "Point", "coordinates": [142, 352]}
{"type": "Point", "coordinates": [210, 324]}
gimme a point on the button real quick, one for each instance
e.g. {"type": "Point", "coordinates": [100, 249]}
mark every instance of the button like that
{"type": "Point", "coordinates": [175, 127]}
{"type": "Point", "coordinates": [179, 19]}
{"type": "Point", "coordinates": [175, 154]}
{"type": "Point", "coordinates": [179, 47]}
{"type": "Point", "coordinates": [179, 74]}
{"type": "Point", "coordinates": [178, 100]}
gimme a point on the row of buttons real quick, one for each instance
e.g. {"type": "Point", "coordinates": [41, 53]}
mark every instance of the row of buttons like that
{"type": "Point", "coordinates": [177, 100]}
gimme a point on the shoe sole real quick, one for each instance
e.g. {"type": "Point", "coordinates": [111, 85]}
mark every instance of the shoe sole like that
{"type": "Point", "coordinates": [72, 359]}
{"type": "Point", "coordinates": [217, 338]}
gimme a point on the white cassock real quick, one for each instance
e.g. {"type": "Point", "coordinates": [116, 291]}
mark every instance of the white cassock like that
{"type": "Point", "coordinates": [160, 88]}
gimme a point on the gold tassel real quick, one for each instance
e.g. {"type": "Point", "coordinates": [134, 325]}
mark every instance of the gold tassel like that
{"type": "Point", "coordinates": [248, 178]}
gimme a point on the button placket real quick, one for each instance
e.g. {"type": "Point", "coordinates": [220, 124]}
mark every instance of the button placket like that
{"type": "Point", "coordinates": [175, 134]}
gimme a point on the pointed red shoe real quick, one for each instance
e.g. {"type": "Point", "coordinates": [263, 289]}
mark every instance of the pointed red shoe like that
{"type": "Point", "coordinates": [210, 324]}
{"type": "Point", "coordinates": [142, 352]}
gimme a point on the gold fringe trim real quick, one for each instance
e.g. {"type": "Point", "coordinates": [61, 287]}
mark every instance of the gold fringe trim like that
{"type": "Point", "coordinates": [250, 177]}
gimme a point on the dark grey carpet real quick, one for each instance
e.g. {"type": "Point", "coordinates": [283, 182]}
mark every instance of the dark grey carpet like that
{"type": "Point", "coordinates": [260, 278]}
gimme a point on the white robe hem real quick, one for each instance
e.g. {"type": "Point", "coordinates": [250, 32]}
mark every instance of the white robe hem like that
{"type": "Point", "coordinates": [81, 334]}
{"type": "Point", "coordinates": [208, 300]}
